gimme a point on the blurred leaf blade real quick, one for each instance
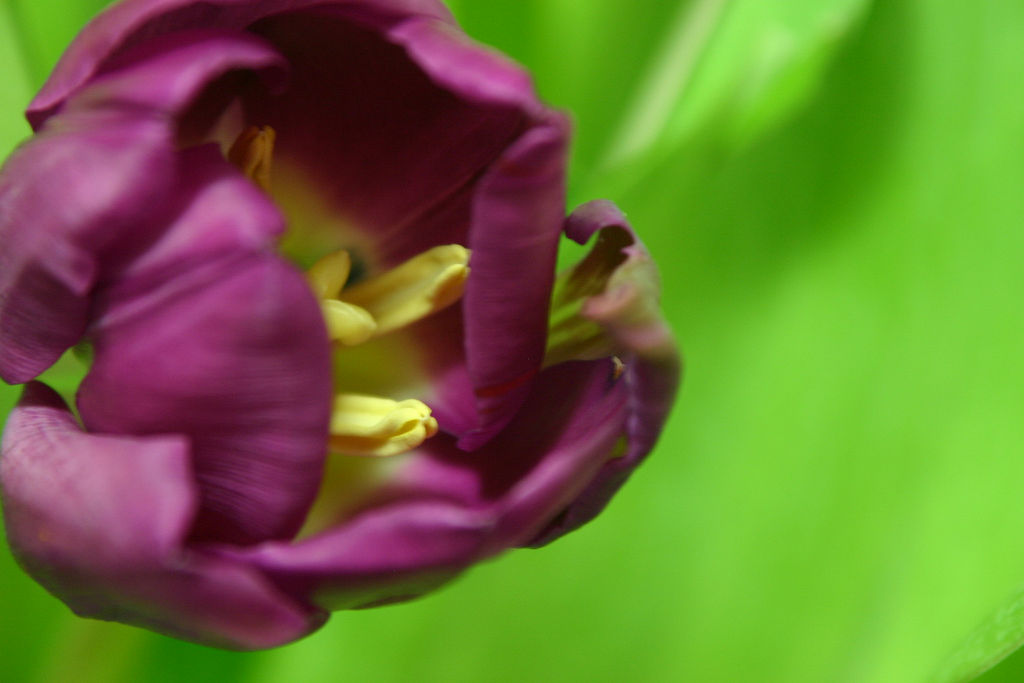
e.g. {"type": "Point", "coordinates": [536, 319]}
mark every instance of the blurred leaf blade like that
{"type": "Point", "coordinates": [728, 71]}
{"type": "Point", "coordinates": [849, 289]}
{"type": "Point", "coordinates": [662, 92]}
{"type": "Point", "coordinates": [16, 89]}
{"type": "Point", "coordinates": [44, 32]}
{"type": "Point", "coordinates": [995, 639]}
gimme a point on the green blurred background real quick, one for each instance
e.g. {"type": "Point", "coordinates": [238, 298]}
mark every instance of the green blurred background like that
{"type": "Point", "coordinates": [833, 189]}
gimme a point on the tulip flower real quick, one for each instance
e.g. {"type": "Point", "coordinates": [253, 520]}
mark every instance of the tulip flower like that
{"type": "Point", "coordinates": [308, 247]}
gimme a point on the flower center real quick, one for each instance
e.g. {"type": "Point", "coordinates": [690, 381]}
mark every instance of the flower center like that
{"type": "Point", "coordinates": [423, 285]}
{"type": "Point", "coordinates": [358, 313]}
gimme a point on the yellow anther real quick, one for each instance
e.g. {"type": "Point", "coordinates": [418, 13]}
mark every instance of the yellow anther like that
{"type": "Point", "coordinates": [328, 275]}
{"type": "Point", "coordinates": [253, 152]}
{"type": "Point", "coordinates": [347, 323]}
{"type": "Point", "coordinates": [369, 425]}
{"type": "Point", "coordinates": [424, 284]}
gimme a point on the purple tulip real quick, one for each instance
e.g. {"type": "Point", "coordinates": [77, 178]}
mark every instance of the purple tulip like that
{"type": "Point", "coordinates": [311, 245]}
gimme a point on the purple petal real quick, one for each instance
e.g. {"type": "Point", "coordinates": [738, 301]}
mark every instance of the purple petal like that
{"type": "Point", "coordinates": [132, 22]}
{"type": "Point", "coordinates": [99, 521]}
{"type": "Point", "coordinates": [385, 555]}
{"type": "Point", "coordinates": [166, 74]}
{"type": "Point", "coordinates": [628, 309]}
{"type": "Point", "coordinates": [567, 429]}
{"type": "Point", "coordinates": [63, 199]}
{"type": "Point", "coordinates": [416, 166]}
{"type": "Point", "coordinates": [212, 215]}
{"type": "Point", "coordinates": [517, 216]}
{"type": "Point", "coordinates": [33, 336]}
{"type": "Point", "coordinates": [474, 72]}
{"type": "Point", "coordinates": [239, 363]}
{"type": "Point", "coordinates": [446, 509]}
{"type": "Point", "coordinates": [67, 199]}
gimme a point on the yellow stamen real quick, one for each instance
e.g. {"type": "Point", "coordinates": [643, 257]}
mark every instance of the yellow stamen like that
{"type": "Point", "coordinates": [425, 284]}
{"type": "Point", "coordinates": [369, 425]}
{"type": "Point", "coordinates": [347, 323]}
{"type": "Point", "coordinates": [252, 153]}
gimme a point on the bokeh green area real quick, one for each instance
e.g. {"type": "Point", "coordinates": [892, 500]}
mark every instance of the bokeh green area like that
{"type": "Point", "coordinates": [834, 191]}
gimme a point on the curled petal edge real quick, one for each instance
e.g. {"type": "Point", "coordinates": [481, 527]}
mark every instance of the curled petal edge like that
{"type": "Point", "coordinates": [50, 227]}
{"type": "Point", "coordinates": [64, 200]}
{"type": "Point", "coordinates": [614, 311]}
{"type": "Point", "coordinates": [99, 521]}
{"type": "Point", "coordinates": [460, 65]}
{"type": "Point", "coordinates": [126, 23]}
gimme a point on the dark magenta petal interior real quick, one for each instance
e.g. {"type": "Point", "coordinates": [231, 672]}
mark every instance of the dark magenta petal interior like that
{"type": "Point", "coordinates": [516, 218]}
{"type": "Point", "coordinates": [165, 74]}
{"type": "Point", "coordinates": [383, 144]}
{"type": "Point", "coordinates": [413, 165]}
